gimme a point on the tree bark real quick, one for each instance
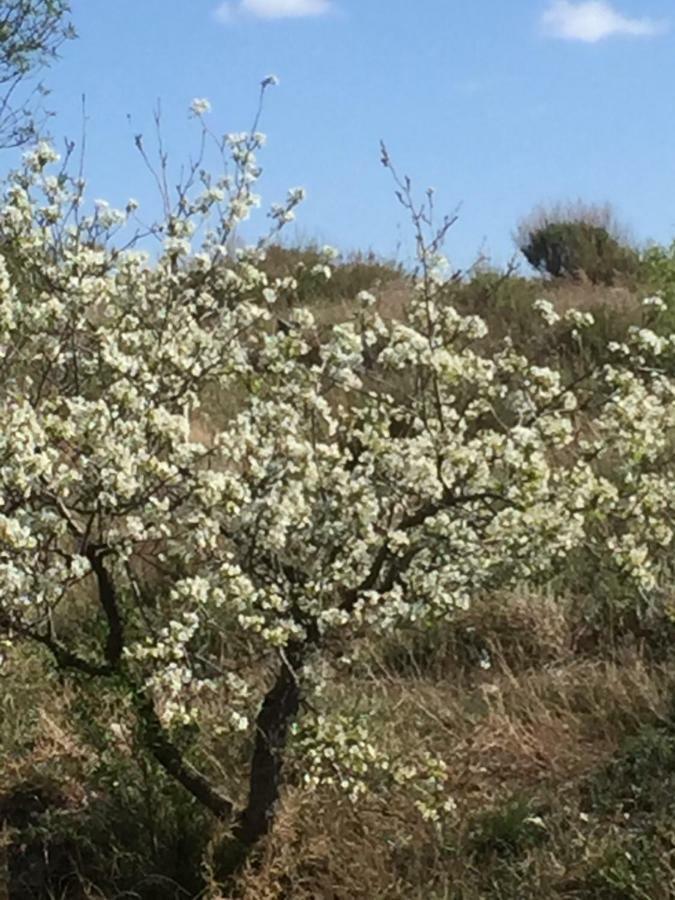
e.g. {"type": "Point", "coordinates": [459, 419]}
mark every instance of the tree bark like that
{"type": "Point", "coordinates": [107, 596]}
{"type": "Point", "coordinates": [276, 715]}
{"type": "Point", "coordinates": [170, 758]}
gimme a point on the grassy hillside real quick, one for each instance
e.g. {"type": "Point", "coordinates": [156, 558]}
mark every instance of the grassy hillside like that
{"type": "Point", "coordinates": [552, 709]}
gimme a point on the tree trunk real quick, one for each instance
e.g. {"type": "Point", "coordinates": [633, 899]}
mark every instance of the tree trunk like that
{"type": "Point", "coordinates": [276, 715]}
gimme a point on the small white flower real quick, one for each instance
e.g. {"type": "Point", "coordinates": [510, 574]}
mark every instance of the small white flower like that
{"type": "Point", "coordinates": [365, 298]}
{"type": "Point", "coordinates": [200, 106]}
{"type": "Point", "coordinates": [579, 319]}
{"type": "Point", "coordinates": [239, 722]}
{"type": "Point", "coordinates": [546, 311]}
{"type": "Point", "coordinates": [655, 302]}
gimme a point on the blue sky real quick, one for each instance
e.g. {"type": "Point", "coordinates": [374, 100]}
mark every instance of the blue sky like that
{"type": "Point", "coordinates": [499, 104]}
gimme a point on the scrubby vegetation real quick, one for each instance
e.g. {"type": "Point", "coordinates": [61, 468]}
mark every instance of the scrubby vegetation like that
{"type": "Point", "coordinates": [560, 756]}
{"type": "Point", "coordinates": [578, 241]}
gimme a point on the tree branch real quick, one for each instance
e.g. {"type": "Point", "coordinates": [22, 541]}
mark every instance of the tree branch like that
{"type": "Point", "coordinates": [171, 759]}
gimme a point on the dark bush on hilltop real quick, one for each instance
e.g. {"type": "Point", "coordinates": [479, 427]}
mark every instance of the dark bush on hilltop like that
{"type": "Point", "coordinates": [577, 242]}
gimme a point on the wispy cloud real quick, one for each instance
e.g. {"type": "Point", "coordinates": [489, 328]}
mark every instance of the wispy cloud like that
{"type": "Point", "coordinates": [233, 10]}
{"type": "Point", "coordinates": [594, 20]}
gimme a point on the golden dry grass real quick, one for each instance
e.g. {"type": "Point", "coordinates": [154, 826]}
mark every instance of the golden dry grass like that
{"type": "Point", "coordinates": [534, 735]}
{"type": "Point", "coordinates": [523, 740]}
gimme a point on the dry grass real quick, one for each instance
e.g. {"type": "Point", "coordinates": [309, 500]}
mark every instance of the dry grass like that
{"type": "Point", "coordinates": [518, 746]}
{"type": "Point", "coordinates": [525, 741]}
{"type": "Point", "coordinates": [589, 297]}
{"type": "Point", "coordinates": [522, 741]}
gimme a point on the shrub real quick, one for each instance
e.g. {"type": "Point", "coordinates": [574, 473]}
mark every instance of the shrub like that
{"type": "Point", "coordinates": [657, 276]}
{"type": "Point", "coordinates": [579, 241]}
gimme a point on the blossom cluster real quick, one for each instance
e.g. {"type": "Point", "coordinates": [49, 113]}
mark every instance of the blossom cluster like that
{"type": "Point", "coordinates": [341, 752]}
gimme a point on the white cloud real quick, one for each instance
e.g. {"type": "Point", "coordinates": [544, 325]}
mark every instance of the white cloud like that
{"type": "Point", "coordinates": [271, 9]}
{"type": "Point", "coordinates": [594, 20]}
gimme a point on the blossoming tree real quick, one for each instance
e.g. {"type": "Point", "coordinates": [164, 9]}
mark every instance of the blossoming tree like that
{"type": "Point", "coordinates": [31, 32]}
{"type": "Point", "coordinates": [195, 503]}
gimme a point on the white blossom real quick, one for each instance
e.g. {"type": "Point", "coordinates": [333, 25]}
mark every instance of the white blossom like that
{"type": "Point", "coordinates": [200, 106]}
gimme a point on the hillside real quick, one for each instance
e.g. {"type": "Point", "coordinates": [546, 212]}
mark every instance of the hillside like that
{"type": "Point", "coordinates": [550, 707]}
